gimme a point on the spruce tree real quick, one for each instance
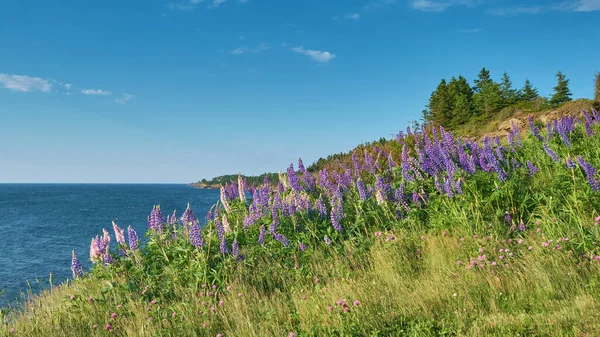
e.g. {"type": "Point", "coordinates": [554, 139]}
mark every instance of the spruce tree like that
{"type": "Point", "coordinates": [489, 98]}
{"type": "Point", "coordinates": [482, 78]}
{"type": "Point", "coordinates": [528, 93]}
{"type": "Point", "coordinates": [509, 95]}
{"type": "Point", "coordinates": [461, 95]}
{"type": "Point", "coordinates": [440, 104]}
{"type": "Point", "coordinates": [562, 94]}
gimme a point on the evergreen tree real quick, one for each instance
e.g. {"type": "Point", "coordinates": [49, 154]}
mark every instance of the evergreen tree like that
{"type": "Point", "coordinates": [440, 104]}
{"type": "Point", "coordinates": [509, 95]}
{"type": "Point", "coordinates": [461, 95]}
{"type": "Point", "coordinates": [562, 94]}
{"type": "Point", "coordinates": [528, 93]}
{"type": "Point", "coordinates": [489, 98]}
{"type": "Point", "coordinates": [482, 79]}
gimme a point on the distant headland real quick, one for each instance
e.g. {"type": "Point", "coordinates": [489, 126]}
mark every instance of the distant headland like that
{"type": "Point", "coordinates": [216, 182]}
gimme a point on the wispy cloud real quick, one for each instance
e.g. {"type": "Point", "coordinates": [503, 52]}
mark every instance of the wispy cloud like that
{"type": "Point", "coordinates": [124, 98]}
{"type": "Point", "coordinates": [578, 6]}
{"type": "Point", "coordinates": [244, 50]}
{"type": "Point", "coordinates": [469, 30]}
{"type": "Point", "coordinates": [515, 10]}
{"type": "Point", "coordinates": [315, 55]}
{"type": "Point", "coordinates": [567, 6]}
{"type": "Point", "coordinates": [378, 4]}
{"type": "Point", "coordinates": [180, 6]}
{"type": "Point", "coordinates": [25, 83]}
{"type": "Point", "coordinates": [95, 92]}
{"type": "Point", "coordinates": [188, 5]}
{"type": "Point", "coordinates": [352, 16]}
{"type": "Point", "coordinates": [441, 5]}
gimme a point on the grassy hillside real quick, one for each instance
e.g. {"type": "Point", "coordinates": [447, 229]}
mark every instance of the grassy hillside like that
{"type": "Point", "coordinates": [438, 237]}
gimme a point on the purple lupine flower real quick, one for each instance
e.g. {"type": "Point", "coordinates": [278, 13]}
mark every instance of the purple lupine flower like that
{"type": "Point", "coordinates": [119, 233]}
{"type": "Point", "coordinates": [309, 181]}
{"type": "Point", "coordinates": [596, 115]}
{"type": "Point", "coordinates": [223, 247]}
{"type": "Point", "coordinates": [220, 230]}
{"type": "Point", "coordinates": [107, 258]}
{"type": "Point", "coordinates": [514, 135]}
{"type": "Point", "coordinates": [275, 214]}
{"type": "Point", "coordinates": [337, 214]}
{"type": "Point", "coordinates": [507, 218]}
{"type": "Point", "coordinates": [173, 219]}
{"type": "Point", "coordinates": [156, 219]}
{"type": "Point", "coordinates": [565, 126]}
{"type": "Point", "coordinates": [327, 240]}
{"type": "Point", "coordinates": [302, 246]}
{"type": "Point", "coordinates": [320, 205]}
{"type": "Point", "coordinates": [522, 226]}
{"type": "Point", "coordinates": [570, 163]}
{"type": "Point", "coordinates": [391, 163]}
{"type": "Point", "coordinates": [458, 186]}
{"type": "Point", "coordinates": [188, 215]}
{"type": "Point", "coordinates": [549, 131]}
{"type": "Point", "coordinates": [369, 162]}
{"type": "Point", "coordinates": [281, 238]}
{"type": "Point", "coordinates": [293, 180]}
{"type": "Point", "coordinates": [551, 153]}
{"type": "Point", "coordinates": [120, 237]}
{"type": "Point", "coordinates": [241, 184]}
{"type": "Point", "coordinates": [590, 172]}
{"type": "Point", "coordinates": [235, 248]}
{"type": "Point", "coordinates": [195, 234]}
{"type": "Point", "coordinates": [534, 129]}
{"type": "Point", "coordinates": [262, 235]}
{"type": "Point", "coordinates": [448, 187]}
{"type": "Point", "coordinates": [76, 266]}
{"type": "Point", "coordinates": [362, 193]}
{"type": "Point", "coordinates": [301, 168]}
{"type": "Point", "coordinates": [532, 168]}
{"type": "Point", "coordinates": [209, 214]}
{"type": "Point", "coordinates": [224, 200]}
{"type": "Point", "coordinates": [415, 198]}
{"type": "Point", "coordinates": [133, 238]}
{"type": "Point", "coordinates": [588, 123]}
{"type": "Point", "coordinates": [356, 164]}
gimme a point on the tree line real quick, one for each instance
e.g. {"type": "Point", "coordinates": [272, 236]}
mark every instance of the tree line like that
{"type": "Point", "coordinates": [456, 102]}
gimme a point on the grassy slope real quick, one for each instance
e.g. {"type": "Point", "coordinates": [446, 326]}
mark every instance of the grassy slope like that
{"type": "Point", "coordinates": [408, 280]}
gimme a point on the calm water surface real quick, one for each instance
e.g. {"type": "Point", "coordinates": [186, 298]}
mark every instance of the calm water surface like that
{"type": "Point", "coordinates": [42, 223]}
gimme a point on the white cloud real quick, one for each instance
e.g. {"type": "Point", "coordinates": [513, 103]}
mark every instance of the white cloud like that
{"type": "Point", "coordinates": [568, 6]}
{"type": "Point", "coordinates": [217, 3]}
{"type": "Point", "coordinates": [352, 16]}
{"type": "Point", "coordinates": [95, 92]}
{"type": "Point", "coordinates": [124, 98]}
{"type": "Point", "coordinates": [441, 5]}
{"type": "Point", "coordinates": [516, 10]}
{"type": "Point", "coordinates": [583, 5]}
{"type": "Point", "coordinates": [25, 83]}
{"type": "Point", "coordinates": [378, 4]}
{"type": "Point", "coordinates": [243, 50]}
{"type": "Point", "coordinates": [470, 30]}
{"type": "Point", "coordinates": [68, 86]}
{"type": "Point", "coordinates": [315, 55]}
{"type": "Point", "coordinates": [180, 7]}
{"type": "Point", "coordinates": [239, 51]}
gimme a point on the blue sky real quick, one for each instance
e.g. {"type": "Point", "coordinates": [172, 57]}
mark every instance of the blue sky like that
{"type": "Point", "coordinates": [179, 90]}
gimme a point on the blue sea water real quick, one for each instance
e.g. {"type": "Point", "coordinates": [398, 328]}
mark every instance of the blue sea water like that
{"type": "Point", "coordinates": [42, 223]}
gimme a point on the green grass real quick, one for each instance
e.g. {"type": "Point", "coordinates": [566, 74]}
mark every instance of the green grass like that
{"type": "Point", "coordinates": [412, 280]}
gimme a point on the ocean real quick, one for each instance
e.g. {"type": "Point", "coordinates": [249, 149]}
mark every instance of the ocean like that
{"type": "Point", "coordinates": [42, 223]}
